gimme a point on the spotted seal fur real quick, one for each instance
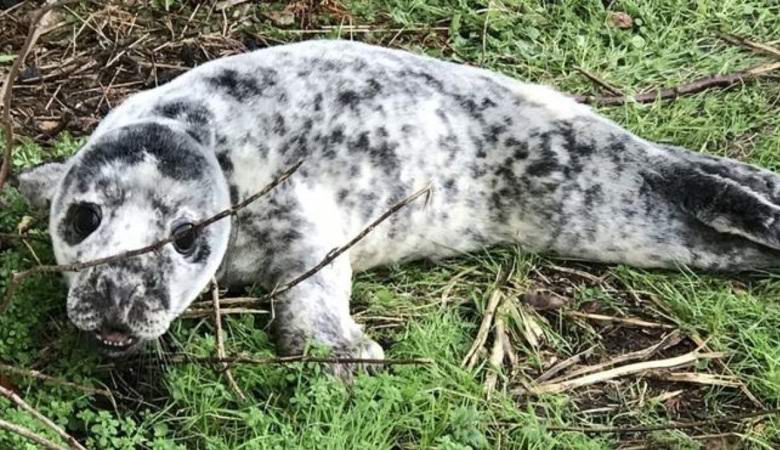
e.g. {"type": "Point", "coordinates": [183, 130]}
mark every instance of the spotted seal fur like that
{"type": "Point", "coordinates": [508, 162]}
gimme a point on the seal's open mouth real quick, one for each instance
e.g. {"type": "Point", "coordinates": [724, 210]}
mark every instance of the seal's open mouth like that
{"type": "Point", "coordinates": [114, 342]}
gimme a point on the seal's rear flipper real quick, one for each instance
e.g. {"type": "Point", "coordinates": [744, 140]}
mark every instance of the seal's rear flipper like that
{"type": "Point", "coordinates": [719, 202]}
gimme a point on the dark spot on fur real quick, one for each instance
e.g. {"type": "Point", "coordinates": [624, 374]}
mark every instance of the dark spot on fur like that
{"type": "Point", "coordinates": [224, 162]}
{"type": "Point", "coordinates": [241, 85]}
{"type": "Point", "coordinates": [318, 102]}
{"type": "Point", "coordinates": [279, 125]}
{"type": "Point", "coordinates": [547, 162]}
{"type": "Point", "coordinates": [593, 195]}
{"type": "Point", "coordinates": [519, 148]}
{"type": "Point", "coordinates": [487, 103]}
{"type": "Point", "coordinates": [202, 252]}
{"type": "Point", "coordinates": [195, 115]}
{"type": "Point", "coordinates": [348, 98]}
{"type": "Point", "coordinates": [337, 135]}
{"type": "Point", "coordinates": [130, 145]}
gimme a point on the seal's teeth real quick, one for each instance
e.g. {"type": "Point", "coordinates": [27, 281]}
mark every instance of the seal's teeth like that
{"type": "Point", "coordinates": [110, 343]}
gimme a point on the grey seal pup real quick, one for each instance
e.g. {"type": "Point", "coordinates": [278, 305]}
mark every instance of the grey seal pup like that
{"type": "Point", "coordinates": [508, 163]}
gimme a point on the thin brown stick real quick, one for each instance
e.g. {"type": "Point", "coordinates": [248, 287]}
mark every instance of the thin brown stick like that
{"type": "Point", "coordinates": [18, 277]}
{"type": "Point", "coordinates": [332, 255]}
{"type": "Point", "coordinates": [621, 371]}
{"type": "Point", "coordinates": [29, 434]}
{"type": "Point", "coordinates": [598, 80]}
{"type": "Point", "coordinates": [578, 273]}
{"type": "Point", "coordinates": [712, 379]}
{"type": "Point", "coordinates": [221, 344]}
{"type": "Point", "coordinates": [19, 402]}
{"type": "Point", "coordinates": [230, 301]}
{"type": "Point", "coordinates": [693, 87]}
{"type": "Point", "coordinates": [670, 426]}
{"type": "Point", "coordinates": [484, 328]}
{"type": "Point", "coordinates": [702, 344]}
{"type": "Point", "coordinates": [624, 320]}
{"type": "Point", "coordinates": [30, 373]}
{"type": "Point", "coordinates": [358, 29]}
{"type": "Point", "coordinates": [194, 313]}
{"type": "Point", "coordinates": [498, 353]}
{"type": "Point", "coordinates": [178, 358]}
{"type": "Point", "coordinates": [753, 45]}
{"type": "Point", "coordinates": [336, 252]}
{"type": "Point", "coordinates": [19, 237]}
{"type": "Point", "coordinates": [33, 34]}
{"type": "Point", "coordinates": [667, 341]}
{"type": "Point", "coordinates": [565, 364]}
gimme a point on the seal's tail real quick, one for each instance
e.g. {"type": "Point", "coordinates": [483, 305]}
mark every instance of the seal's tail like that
{"type": "Point", "coordinates": [724, 194]}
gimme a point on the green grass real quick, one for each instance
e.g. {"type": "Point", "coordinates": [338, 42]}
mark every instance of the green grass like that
{"type": "Point", "coordinates": [441, 405]}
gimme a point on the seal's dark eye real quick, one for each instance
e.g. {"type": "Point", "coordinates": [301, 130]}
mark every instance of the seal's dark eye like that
{"type": "Point", "coordinates": [185, 238]}
{"type": "Point", "coordinates": [85, 218]}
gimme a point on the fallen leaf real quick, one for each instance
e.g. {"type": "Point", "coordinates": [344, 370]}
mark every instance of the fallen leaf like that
{"type": "Point", "coordinates": [25, 224]}
{"type": "Point", "coordinates": [281, 18]}
{"type": "Point", "coordinates": [8, 384]}
{"type": "Point", "coordinates": [590, 307]}
{"type": "Point", "coordinates": [544, 300]}
{"type": "Point", "coordinates": [620, 20]}
{"type": "Point", "coordinates": [47, 126]}
{"type": "Point", "coordinates": [673, 404]}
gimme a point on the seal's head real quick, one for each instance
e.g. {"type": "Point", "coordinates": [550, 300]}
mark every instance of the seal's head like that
{"type": "Point", "coordinates": [126, 189]}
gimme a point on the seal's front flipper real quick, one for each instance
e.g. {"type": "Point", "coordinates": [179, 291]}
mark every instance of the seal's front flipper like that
{"type": "Point", "coordinates": [38, 184]}
{"type": "Point", "coordinates": [719, 202]}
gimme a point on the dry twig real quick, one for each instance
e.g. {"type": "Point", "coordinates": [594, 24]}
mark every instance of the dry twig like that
{"type": "Point", "coordinates": [194, 313]}
{"type": "Point", "coordinates": [554, 388]}
{"type": "Point", "coordinates": [667, 341]}
{"type": "Point", "coordinates": [755, 46]}
{"type": "Point", "coordinates": [565, 364]}
{"type": "Point", "coordinates": [670, 426]}
{"type": "Point", "coordinates": [18, 277]}
{"type": "Point", "coordinates": [498, 353]}
{"type": "Point", "coordinates": [336, 252]}
{"type": "Point", "coordinates": [178, 358]}
{"type": "Point", "coordinates": [702, 344]}
{"type": "Point", "coordinates": [19, 402]}
{"type": "Point", "coordinates": [54, 380]}
{"type": "Point", "coordinates": [712, 379]}
{"type": "Point", "coordinates": [6, 93]}
{"type": "Point", "coordinates": [601, 82]}
{"type": "Point", "coordinates": [332, 255]}
{"type": "Point", "coordinates": [29, 434]}
{"type": "Point", "coordinates": [624, 320]}
{"type": "Point", "coordinates": [484, 328]}
{"type": "Point", "coordinates": [693, 87]}
{"type": "Point", "coordinates": [221, 344]}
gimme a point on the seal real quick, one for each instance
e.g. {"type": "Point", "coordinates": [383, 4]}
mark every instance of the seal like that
{"type": "Point", "coordinates": [508, 163]}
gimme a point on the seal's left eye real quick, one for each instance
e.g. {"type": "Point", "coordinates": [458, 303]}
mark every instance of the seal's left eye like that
{"type": "Point", "coordinates": [185, 238]}
{"type": "Point", "coordinates": [85, 218]}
